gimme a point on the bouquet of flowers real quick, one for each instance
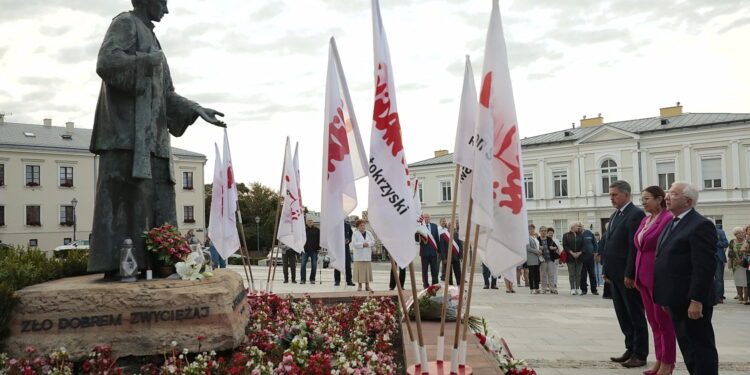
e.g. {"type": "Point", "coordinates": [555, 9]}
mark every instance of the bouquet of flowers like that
{"type": "Point", "coordinates": [167, 242]}
{"type": "Point", "coordinates": [498, 349]}
{"type": "Point", "coordinates": [194, 267]}
{"type": "Point", "coordinates": [431, 303]}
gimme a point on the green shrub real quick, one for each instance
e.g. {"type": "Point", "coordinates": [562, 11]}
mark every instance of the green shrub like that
{"type": "Point", "coordinates": [21, 267]}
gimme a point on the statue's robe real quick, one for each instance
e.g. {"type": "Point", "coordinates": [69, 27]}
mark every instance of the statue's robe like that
{"type": "Point", "coordinates": [136, 112]}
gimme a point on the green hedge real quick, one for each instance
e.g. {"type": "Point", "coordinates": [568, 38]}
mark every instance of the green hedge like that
{"type": "Point", "coordinates": [21, 267]}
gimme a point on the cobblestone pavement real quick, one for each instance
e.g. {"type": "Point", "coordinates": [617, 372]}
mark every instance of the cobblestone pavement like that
{"type": "Point", "coordinates": [558, 334]}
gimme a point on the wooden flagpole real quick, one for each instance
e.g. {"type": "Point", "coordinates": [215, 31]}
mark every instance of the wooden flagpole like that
{"type": "Point", "coordinates": [448, 269]}
{"type": "Point", "coordinates": [454, 352]}
{"type": "Point", "coordinates": [404, 308]}
{"type": "Point", "coordinates": [243, 250]}
{"type": "Point", "coordinates": [274, 243]}
{"type": "Point", "coordinates": [474, 252]}
{"type": "Point", "coordinates": [422, 352]}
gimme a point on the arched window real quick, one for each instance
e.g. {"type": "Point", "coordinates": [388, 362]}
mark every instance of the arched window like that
{"type": "Point", "coordinates": [609, 174]}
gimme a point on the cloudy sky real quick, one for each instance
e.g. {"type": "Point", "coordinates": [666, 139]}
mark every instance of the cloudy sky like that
{"type": "Point", "coordinates": [263, 63]}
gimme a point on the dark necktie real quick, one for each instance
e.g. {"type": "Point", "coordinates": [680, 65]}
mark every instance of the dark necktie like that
{"type": "Point", "coordinates": [667, 231]}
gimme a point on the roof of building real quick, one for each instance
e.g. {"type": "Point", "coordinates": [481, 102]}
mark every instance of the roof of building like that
{"type": "Point", "coordinates": [638, 126]}
{"type": "Point", "coordinates": [58, 138]}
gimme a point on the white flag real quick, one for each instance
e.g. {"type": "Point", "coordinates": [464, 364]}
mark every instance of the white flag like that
{"type": "Point", "coordinates": [505, 244]}
{"type": "Point", "coordinates": [216, 223]}
{"type": "Point", "coordinates": [295, 165]}
{"type": "Point", "coordinates": [390, 202]}
{"type": "Point", "coordinates": [231, 240]}
{"type": "Point", "coordinates": [343, 161]}
{"type": "Point", "coordinates": [464, 149]}
{"type": "Point", "coordinates": [291, 219]}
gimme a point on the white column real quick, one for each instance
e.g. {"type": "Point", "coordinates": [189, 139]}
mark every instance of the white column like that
{"type": "Point", "coordinates": [581, 176]}
{"type": "Point", "coordinates": [636, 186]}
{"type": "Point", "coordinates": [687, 167]}
{"type": "Point", "coordinates": [542, 182]}
{"type": "Point", "coordinates": [734, 164]}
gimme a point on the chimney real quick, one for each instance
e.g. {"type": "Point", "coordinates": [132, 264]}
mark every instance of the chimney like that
{"type": "Point", "coordinates": [441, 153]}
{"type": "Point", "coordinates": [594, 121]}
{"type": "Point", "coordinates": [48, 122]}
{"type": "Point", "coordinates": [671, 111]}
{"type": "Point", "coordinates": [69, 126]}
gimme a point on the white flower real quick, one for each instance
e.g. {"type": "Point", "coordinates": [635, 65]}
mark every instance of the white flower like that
{"type": "Point", "coordinates": [189, 269]}
{"type": "Point", "coordinates": [174, 343]}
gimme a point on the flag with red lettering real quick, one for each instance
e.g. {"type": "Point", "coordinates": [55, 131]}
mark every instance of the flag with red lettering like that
{"type": "Point", "coordinates": [343, 161]}
{"type": "Point", "coordinates": [231, 235]}
{"type": "Point", "coordinates": [504, 244]}
{"type": "Point", "coordinates": [291, 220]}
{"type": "Point", "coordinates": [217, 222]}
{"type": "Point", "coordinates": [295, 164]}
{"type": "Point", "coordinates": [465, 144]}
{"type": "Point", "coordinates": [390, 202]}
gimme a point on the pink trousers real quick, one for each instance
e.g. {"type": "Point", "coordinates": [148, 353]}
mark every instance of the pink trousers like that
{"type": "Point", "coordinates": [661, 324]}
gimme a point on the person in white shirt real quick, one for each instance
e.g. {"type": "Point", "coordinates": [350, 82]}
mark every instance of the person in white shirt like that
{"type": "Point", "coordinates": [362, 242]}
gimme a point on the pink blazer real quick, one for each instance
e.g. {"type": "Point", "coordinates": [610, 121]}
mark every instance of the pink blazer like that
{"type": "Point", "coordinates": [644, 260]}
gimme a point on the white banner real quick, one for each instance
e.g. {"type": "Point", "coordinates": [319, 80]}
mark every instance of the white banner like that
{"type": "Point", "coordinates": [390, 203]}
{"type": "Point", "coordinates": [291, 220]}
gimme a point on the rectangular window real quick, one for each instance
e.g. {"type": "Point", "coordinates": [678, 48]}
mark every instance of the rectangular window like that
{"type": "Point", "coordinates": [32, 175]}
{"type": "Point", "coordinates": [528, 182]}
{"type": "Point", "coordinates": [188, 212]}
{"type": "Point", "coordinates": [711, 172]}
{"type": "Point", "coordinates": [187, 180]}
{"type": "Point", "coordinates": [33, 242]}
{"type": "Point", "coordinates": [419, 194]}
{"type": "Point", "coordinates": [718, 220]}
{"type": "Point", "coordinates": [561, 227]}
{"type": "Point", "coordinates": [2, 174]}
{"type": "Point", "coordinates": [561, 183]}
{"type": "Point", "coordinates": [67, 240]}
{"type": "Point", "coordinates": [2, 216]}
{"type": "Point", "coordinates": [66, 215]}
{"type": "Point", "coordinates": [66, 176]}
{"type": "Point", "coordinates": [445, 191]}
{"type": "Point", "coordinates": [34, 216]}
{"type": "Point", "coordinates": [665, 174]}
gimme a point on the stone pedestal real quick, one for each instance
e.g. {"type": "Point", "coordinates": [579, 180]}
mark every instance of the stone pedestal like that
{"type": "Point", "coordinates": [135, 319]}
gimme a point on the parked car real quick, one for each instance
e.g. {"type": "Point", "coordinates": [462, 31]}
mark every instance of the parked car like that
{"type": "Point", "coordinates": [277, 256]}
{"type": "Point", "coordinates": [80, 245]}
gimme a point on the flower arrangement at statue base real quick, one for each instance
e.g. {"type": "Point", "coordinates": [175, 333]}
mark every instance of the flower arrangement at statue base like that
{"type": "Point", "coordinates": [172, 249]}
{"type": "Point", "coordinates": [503, 357]}
{"type": "Point", "coordinates": [283, 337]}
{"type": "Point", "coordinates": [431, 303]}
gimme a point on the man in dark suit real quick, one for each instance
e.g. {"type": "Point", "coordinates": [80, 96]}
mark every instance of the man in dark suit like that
{"type": "Point", "coordinates": [428, 253]}
{"type": "Point", "coordinates": [683, 278]}
{"type": "Point", "coordinates": [618, 269]}
{"type": "Point", "coordinates": [347, 258]}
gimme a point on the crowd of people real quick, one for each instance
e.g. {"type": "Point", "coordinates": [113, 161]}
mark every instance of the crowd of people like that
{"type": "Point", "coordinates": [661, 264]}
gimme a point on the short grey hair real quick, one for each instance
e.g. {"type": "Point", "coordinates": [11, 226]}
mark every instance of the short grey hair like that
{"type": "Point", "coordinates": [689, 190]}
{"type": "Point", "coordinates": [575, 224]}
{"type": "Point", "coordinates": [621, 185]}
{"type": "Point", "coordinates": [738, 230]}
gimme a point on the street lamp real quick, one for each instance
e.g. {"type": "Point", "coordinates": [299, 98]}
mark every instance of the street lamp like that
{"type": "Point", "coordinates": [257, 232]}
{"type": "Point", "coordinates": [74, 203]}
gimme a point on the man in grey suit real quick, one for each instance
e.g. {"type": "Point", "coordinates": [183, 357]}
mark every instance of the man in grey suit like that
{"type": "Point", "coordinates": [618, 269]}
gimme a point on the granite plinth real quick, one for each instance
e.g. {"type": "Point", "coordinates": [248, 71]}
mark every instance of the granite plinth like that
{"type": "Point", "coordinates": [135, 319]}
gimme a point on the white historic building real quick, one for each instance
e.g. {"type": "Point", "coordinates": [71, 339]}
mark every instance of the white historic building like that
{"type": "Point", "coordinates": [566, 174]}
{"type": "Point", "coordinates": [45, 168]}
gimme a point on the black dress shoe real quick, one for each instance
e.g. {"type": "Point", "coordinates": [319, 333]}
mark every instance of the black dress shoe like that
{"type": "Point", "coordinates": [595, 293]}
{"type": "Point", "coordinates": [302, 282]}
{"type": "Point", "coordinates": [286, 281]}
{"type": "Point", "coordinates": [634, 362]}
{"type": "Point", "coordinates": [625, 356]}
{"type": "Point", "coordinates": [335, 284]}
{"type": "Point", "coordinates": [294, 282]}
{"type": "Point", "coordinates": [350, 284]}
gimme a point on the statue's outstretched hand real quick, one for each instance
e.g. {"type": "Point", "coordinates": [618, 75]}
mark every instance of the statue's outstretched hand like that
{"type": "Point", "coordinates": [209, 115]}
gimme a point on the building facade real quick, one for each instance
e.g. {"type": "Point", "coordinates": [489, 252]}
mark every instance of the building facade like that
{"type": "Point", "coordinates": [48, 183]}
{"type": "Point", "coordinates": [566, 174]}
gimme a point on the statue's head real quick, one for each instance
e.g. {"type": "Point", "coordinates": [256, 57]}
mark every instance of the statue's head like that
{"type": "Point", "coordinates": [154, 9]}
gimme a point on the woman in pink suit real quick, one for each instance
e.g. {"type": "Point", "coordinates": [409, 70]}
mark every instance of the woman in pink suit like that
{"type": "Point", "coordinates": [646, 238]}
